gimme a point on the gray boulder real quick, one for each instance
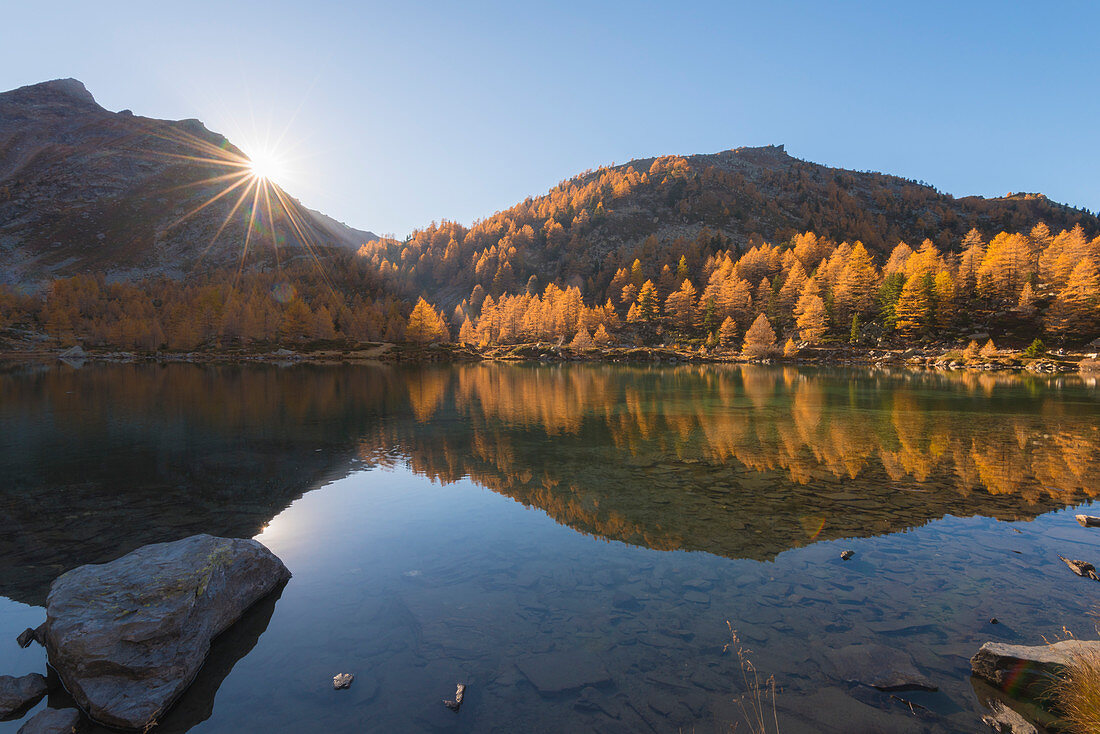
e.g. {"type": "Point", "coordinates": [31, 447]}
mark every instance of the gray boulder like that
{"type": "Point", "coordinates": [17, 694]}
{"type": "Point", "coordinates": [1030, 670]}
{"type": "Point", "coordinates": [54, 721]}
{"type": "Point", "coordinates": [128, 637]}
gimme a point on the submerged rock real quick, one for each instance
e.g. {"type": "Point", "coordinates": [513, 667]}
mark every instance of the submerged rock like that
{"type": "Point", "coordinates": [1027, 671]}
{"type": "Point", "coordinates": [1004, 720]}
{"type": "Point", "coordinates": [881, 667]}
{"type": "Point", "coordinates": [17, 694]}
{"type": "Point", "coordinates": [128, 637]}
{"type": "Point", "coordinates": [565, 670]}
{"type": "Point", "coordinates": [54, 721]}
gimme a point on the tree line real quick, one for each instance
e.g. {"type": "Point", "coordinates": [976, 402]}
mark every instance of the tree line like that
{"type": "Point", "coordinates": [811, 290]}
{"type": "Point", "coordinates": [805, 291]}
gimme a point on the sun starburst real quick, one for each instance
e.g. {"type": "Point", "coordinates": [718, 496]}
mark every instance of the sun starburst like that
{"type": "Point", "coordinates": [250, 183]}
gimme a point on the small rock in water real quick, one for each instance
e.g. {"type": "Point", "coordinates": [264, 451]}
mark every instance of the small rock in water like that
{"type": "Point", "coordinates": [1006, 721]}
{"type": "Point", "coordinates": [17, 694]}
{"type": "Point", "coordinates": [845, 555]}
{"type": "Point", "coordinates": [54, 721]}
{"type": "Point", "coordinates": [1088, 521]}
{"type": "Point", "coordinates": [26, 637]}
{"type": "Point", "coordinates": [342, 680]}
{"type": "Point", "coordinates": [460, 692]}
{"type": "Point", "coordinates": [994, 620]}
{"type": "Point", "coordinates": [1081, 568]}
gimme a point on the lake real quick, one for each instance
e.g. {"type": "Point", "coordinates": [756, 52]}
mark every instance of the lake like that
{"type": "Point", "coordinates": [574, 542]}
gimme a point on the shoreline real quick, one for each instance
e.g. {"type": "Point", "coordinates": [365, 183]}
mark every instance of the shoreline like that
{"type": "Point", "coordinates": [932, 357]}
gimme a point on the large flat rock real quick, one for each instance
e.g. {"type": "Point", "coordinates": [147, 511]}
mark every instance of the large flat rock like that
{"type": "Point", "coordinates": [1028, 671]}
{"type": "Point", "coordinates": [565, 670]}
{"type": "Point", "coordinates": [54, 721]}
{"type": "Point", "coordinates": [17, 694]}
{"type": "Point", "coordinates": [128, 637]}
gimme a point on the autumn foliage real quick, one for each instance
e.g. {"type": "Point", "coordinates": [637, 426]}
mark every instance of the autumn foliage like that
{"type": "Point", "coordinates": [708, 293]}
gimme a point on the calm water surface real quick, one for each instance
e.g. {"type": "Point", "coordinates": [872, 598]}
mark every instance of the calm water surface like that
{"type": "Point", "coordinates": [527, 529]}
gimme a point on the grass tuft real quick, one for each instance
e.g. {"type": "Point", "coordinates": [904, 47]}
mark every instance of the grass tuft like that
{"type": "Point", "coordinates": [757, 704]}
{"type": "Point", "coordinates": [1078, 693]}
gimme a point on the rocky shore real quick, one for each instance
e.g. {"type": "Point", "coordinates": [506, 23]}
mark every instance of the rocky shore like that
{"type": "Point", "coordinates": [937, 357]}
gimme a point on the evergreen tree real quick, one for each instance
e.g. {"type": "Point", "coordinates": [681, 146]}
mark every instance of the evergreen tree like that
{"type": "Point", "coordinates": [647, 302]}
{"type": "Point", "coordinates": [888, 295]}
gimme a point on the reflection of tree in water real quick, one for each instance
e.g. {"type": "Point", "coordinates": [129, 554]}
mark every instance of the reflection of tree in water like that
{"type": "Point", "coordinates": [752, 460]}
{"type": "Point", "coordinates": [738, 460]}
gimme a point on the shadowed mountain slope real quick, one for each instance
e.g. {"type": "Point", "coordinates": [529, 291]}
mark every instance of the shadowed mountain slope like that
{"type": "Point", "coordinates": [83, 189]}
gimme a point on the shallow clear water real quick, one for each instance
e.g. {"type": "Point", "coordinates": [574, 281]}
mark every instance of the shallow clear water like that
{"type": "Point", "coordinates": [528, 528]}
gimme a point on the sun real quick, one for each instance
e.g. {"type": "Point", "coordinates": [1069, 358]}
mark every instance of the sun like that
{"type": "Point", "coordinates": [266, 166]}
{"type": "Point", "coordinates": [251, 178]}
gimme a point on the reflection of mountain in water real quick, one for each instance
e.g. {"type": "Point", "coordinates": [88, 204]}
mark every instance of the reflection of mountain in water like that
{"type": "Point", "coordinates": [739, 461]}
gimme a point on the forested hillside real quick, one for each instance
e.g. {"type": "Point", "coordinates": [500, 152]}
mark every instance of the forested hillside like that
{"type": "Point", "coordinates": [658, 210]}
{"type": "Point", "coordinates": [748, 250]}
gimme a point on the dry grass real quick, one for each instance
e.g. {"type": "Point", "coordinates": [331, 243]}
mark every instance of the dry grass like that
{"type": "Point", "coordinates": [757, 703]}
{"type": "Point", "coordinates": [1089, 365]}
{"type": "Point", "coordinates": [1078, 693]}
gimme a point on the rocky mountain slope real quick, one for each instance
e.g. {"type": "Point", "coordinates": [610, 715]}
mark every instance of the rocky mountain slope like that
{"type": "Point", "coordinates": [83, 189]}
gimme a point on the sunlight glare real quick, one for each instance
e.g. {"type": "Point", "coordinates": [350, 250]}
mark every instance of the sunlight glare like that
{"type": "Point", "coordinates": [266, 166]}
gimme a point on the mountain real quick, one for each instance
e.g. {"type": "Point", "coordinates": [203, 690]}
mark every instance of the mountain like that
{"type": "Point", "coordinates": [85, 189]}
{"type": "Point", "coordinates": [656, 209]}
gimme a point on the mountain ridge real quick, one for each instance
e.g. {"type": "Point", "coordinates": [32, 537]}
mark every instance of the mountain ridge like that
{"type": "Point", "coordinates": [85, 189]}
{"type": "Point", "coordinates": [660, 208]}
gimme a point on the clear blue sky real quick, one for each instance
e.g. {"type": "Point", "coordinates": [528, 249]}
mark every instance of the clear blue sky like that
{"type": "Point", "coordinates": [400, 113]}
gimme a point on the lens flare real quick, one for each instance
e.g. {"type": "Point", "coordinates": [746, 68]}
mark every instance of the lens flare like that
{"type": "Point", "coordinates": [249, 181]}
